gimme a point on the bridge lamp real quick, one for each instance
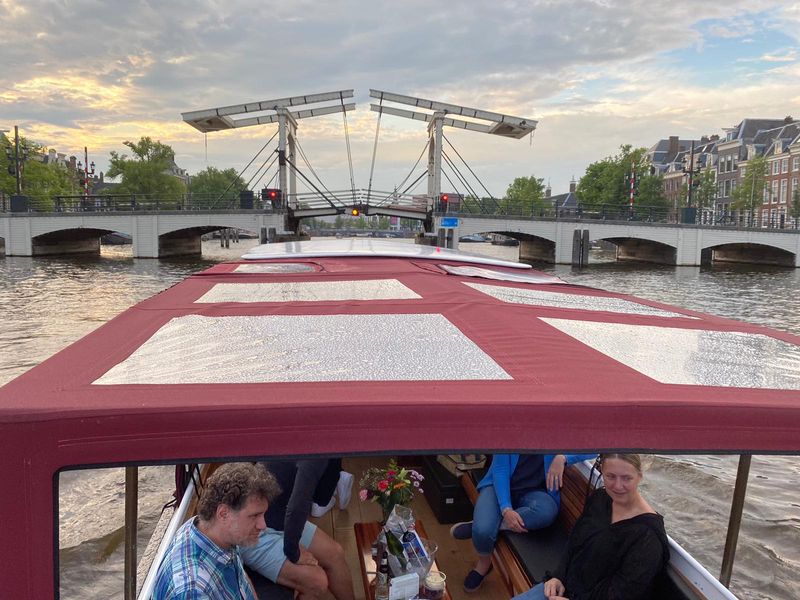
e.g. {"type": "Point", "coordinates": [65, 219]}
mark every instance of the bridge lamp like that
{"type": "Point", "coordinates": [354, 212]}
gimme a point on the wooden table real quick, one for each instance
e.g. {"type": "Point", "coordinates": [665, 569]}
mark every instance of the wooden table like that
{"type": "Point", "coordinates": [366, 534]}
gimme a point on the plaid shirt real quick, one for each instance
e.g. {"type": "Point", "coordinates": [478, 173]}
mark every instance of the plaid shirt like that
{"type": "Point", "coordinates": [196, 568]}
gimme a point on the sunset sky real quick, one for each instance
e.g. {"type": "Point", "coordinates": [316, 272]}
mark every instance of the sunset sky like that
{"type": "Point", "coordinates": [594, 74]}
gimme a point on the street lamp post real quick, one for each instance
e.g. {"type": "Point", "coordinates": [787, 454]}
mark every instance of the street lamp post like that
{"type": "Point", "coordinates": [86, 170]}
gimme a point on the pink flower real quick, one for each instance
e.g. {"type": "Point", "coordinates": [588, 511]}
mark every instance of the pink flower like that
{"type": "Point", "coordinates": [363, 495]}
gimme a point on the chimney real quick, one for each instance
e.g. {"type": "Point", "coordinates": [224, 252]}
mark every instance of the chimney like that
{"type": "Point", "coordinates": [703, 139]}
{"type": "Point", "coordinates": [573, 185]}
{"type": "Point", "coordinates": [101, 177]}
{"type": "Point", "coordinates": [673, 146]}
{"type": "Point", "coordinates": [73, 163]}
{"type": "Point", "coordinates": [713, 138]}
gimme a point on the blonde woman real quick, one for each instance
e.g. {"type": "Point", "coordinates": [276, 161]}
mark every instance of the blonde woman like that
{"type": "Point", "coordinates": [618, 547]}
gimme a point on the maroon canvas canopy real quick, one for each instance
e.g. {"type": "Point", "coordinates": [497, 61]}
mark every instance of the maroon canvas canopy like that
{"type": "Point", "coordinates": [234, 363]}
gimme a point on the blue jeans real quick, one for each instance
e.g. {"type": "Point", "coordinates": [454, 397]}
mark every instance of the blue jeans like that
{"type": "Point", "coordinates": [538, 510]}
{"type": "Point", "coordinates": [535, 593]}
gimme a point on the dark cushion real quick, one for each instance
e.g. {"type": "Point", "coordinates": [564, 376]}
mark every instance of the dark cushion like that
{"type": "Point", "coordinates": [268, 590]}
{"type": "Point", "coordinates": [538, 551]}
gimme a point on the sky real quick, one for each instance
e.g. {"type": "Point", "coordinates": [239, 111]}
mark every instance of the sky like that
{"type": "Point", "coordinates": [594, 74]}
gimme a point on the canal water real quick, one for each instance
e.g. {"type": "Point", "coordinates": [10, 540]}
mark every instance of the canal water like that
{"type": "Point", "coordinates": [48, 303]}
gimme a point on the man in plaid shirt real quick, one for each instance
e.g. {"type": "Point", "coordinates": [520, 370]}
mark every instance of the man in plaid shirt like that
{"type": "Point", "coordinates": [203, 560]}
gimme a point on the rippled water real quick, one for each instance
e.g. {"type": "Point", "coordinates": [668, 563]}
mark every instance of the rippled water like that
{"type": "Point", "coordinates": [48, 303]}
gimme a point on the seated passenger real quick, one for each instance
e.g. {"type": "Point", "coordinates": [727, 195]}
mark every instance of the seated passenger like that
{"type": "Point", "coordinates": [203, 559]}
{"type": "Point", "coordinates": [618, 546]}
{"type": "Point", "coordinates": [292, 551]}
{"type": "Point", "coordinates": [519, 493]}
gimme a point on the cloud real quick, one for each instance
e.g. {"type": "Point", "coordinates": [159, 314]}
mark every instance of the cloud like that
{"type": "Point", "coordinates": [593, 73]}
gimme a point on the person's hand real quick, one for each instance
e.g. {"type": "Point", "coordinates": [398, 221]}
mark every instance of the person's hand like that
{"type": "Point", "coordinates": [555, 474]}
{"type": "Point", "coordinates": [306, 558]}
{"type": "Point", "coordinates": [553, 588]}
{"type": "Point", "coordinates": [513, 521]}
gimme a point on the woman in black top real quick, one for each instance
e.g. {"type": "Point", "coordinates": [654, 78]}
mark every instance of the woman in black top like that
{"type": "Point", "coordinates": [618, 546]}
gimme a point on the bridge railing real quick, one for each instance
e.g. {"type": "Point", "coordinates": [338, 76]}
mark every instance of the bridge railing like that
{"type": "Point", "coordinates": [139, 202]}
{"type": "Point", "coordinates": [621, 213]}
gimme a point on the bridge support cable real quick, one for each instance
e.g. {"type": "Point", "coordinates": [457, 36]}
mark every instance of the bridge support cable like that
{"type": "Point", "coordinates": [310, 168]}
{"type": "Point", "coordinates": [460, 176]}
{"type": "Point", "coordinates": [375, 147]}
{"type": "Point", "coordinates": [478, 179]}
{"type": "Point", "coordinates": [453, 186]}
{"type": "Point", "coordinates": [349, 153]}
{"type": "Point", "coordinates": [309, 182]}
{"type": "Point", "coordinates": [252, 160]}
{"type": "Point", "coordinates": [414, 183]}
{"type": "Point", "coordinates": [265, 170]}
{"type": "Point", "coordinates": [411, 172]}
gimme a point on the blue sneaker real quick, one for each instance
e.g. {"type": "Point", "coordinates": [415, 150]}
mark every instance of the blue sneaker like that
{"type": "Point", "coordinates": [462, 531]}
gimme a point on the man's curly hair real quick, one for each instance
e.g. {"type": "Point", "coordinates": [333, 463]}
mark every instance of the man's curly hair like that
{"type": "Point", "coordinates": [232, 484]}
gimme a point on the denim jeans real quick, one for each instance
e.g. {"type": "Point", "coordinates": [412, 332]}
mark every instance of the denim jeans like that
{"type": "Point", "coordinates": [535, 593]}
{"type": "Point", "coordinates": [537, 509]}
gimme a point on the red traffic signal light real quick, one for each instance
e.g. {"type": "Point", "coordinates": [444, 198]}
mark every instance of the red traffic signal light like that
{"type": "Point", "coordinates": [444, 197]}
{"type": "Point", "coordinates": [271, 194]}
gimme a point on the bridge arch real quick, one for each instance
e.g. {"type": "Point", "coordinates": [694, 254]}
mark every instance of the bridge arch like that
{"type": "Point", "coordinates": [69, 240]}
{"type": "Point", "coordinates": [641, 249]}
{"type": "Point", "coordinates": [750, 253]}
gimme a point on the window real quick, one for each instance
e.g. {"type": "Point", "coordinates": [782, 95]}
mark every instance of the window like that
{"type": "Point", "coordinates": [784, 190]}
{"type": "Point", "coordinates": [796, 163]}
{"type": "Point", "coordinates": [785, 165]}
{"type": "Point", "coordinates": [729, 162]}
{"type": "Point", "coordinates": [775, 167]}
{"type": "Point", "coordinates": [774, 191]}
{"type": "Point", "coordinates": [727, 191]}
{"type": "Point", "coordinates": [742, 171]}
{"type": "Point", "coordinates": [794, 184]}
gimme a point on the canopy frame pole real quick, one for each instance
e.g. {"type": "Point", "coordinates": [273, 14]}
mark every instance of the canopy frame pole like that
{"type": "Point", "coordinates": [735, 521]}
{"type": "Point", "coordinates": [131, 526]}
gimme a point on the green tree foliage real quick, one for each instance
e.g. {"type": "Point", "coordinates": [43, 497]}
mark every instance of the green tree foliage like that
{"type": "Point", "coordinates": [525, 196]}
{"type": "Point", "coordinates": [705, 191]}
{"type": "Point", "coordinates": [212, 183]}
{"type": "Point", "coordinates": [40, 182]}
{"type": "Point", "coordinates": [606, 183]}
{"type": "Point", "coordinates": [794, 208]}
{"type": "Point", "coordinates": [749, 194]}
{"type": "Point", "coordinates": [146, 173]}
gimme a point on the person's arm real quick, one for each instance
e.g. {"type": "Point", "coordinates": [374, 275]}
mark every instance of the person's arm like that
{"type": "Point", "coordinates": [501, 480]}
{"type": "Point", "coordinates": [299, 505]}
{"type": "Point", "coordinates": [643, 560]}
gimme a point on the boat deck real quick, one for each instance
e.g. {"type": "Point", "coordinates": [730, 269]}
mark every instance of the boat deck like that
{"type": "Point", "coordinates": [455, 557]}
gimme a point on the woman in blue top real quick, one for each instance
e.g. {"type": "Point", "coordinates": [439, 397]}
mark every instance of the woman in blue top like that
{"type": "Point", "coordinates": [520, 492]}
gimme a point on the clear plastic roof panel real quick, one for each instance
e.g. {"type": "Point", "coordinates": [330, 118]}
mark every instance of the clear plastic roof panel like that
{"type": "Point", "coordinates": [484, 273]}
{"type": "Point", "coordinates": [693, 356]}
{"type": "Point", "coordinates": [273, 268]}
{"type": "Point", "coordinates": [309, 291]}
{"type": "Point", "coordinates": [576, 301]}
{"type": "Point", "coordinates": [305, 348]}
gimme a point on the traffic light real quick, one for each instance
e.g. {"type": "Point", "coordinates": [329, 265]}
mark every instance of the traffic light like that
{"type": "Point", "coordinates": [443, 200]}
{"type": "Point", "coordinates": [271, 194]}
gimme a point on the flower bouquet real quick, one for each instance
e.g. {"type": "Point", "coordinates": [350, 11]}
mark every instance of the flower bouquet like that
{"type": "Point", "coordinates": [389, 486]}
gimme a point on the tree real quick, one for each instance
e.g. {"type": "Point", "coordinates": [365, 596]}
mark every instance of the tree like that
{"type": "Point", "coordinates": [41, 182]}
{"type": "Point", "coordinates": [794, 209]}
{"type": "Point", "coordinates": [147, 173]}
{"type": "Point", "coordinates": [606, 184]}
{"type": "Point", "coordinates": [749, 194]}
{"type": "Point", "coordinates": [705, 191]}
{"type": "Point", "coordinates": [211, 184]}
{"type": "Point", "coordinates": [525, 196]}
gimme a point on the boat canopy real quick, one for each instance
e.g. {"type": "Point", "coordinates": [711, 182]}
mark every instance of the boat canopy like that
{"type": "Point", "coordinates": [313, 353]}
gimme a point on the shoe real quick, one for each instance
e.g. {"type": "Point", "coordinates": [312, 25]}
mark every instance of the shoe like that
{"type": "Point", "coordinates": [474, 580]}
{"type": "Point", "coordinates": [462, 531]}
{"type": "Point", "coordinates": [344, 489]}
{"type": "Point", "coordinates": [318, 511]}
